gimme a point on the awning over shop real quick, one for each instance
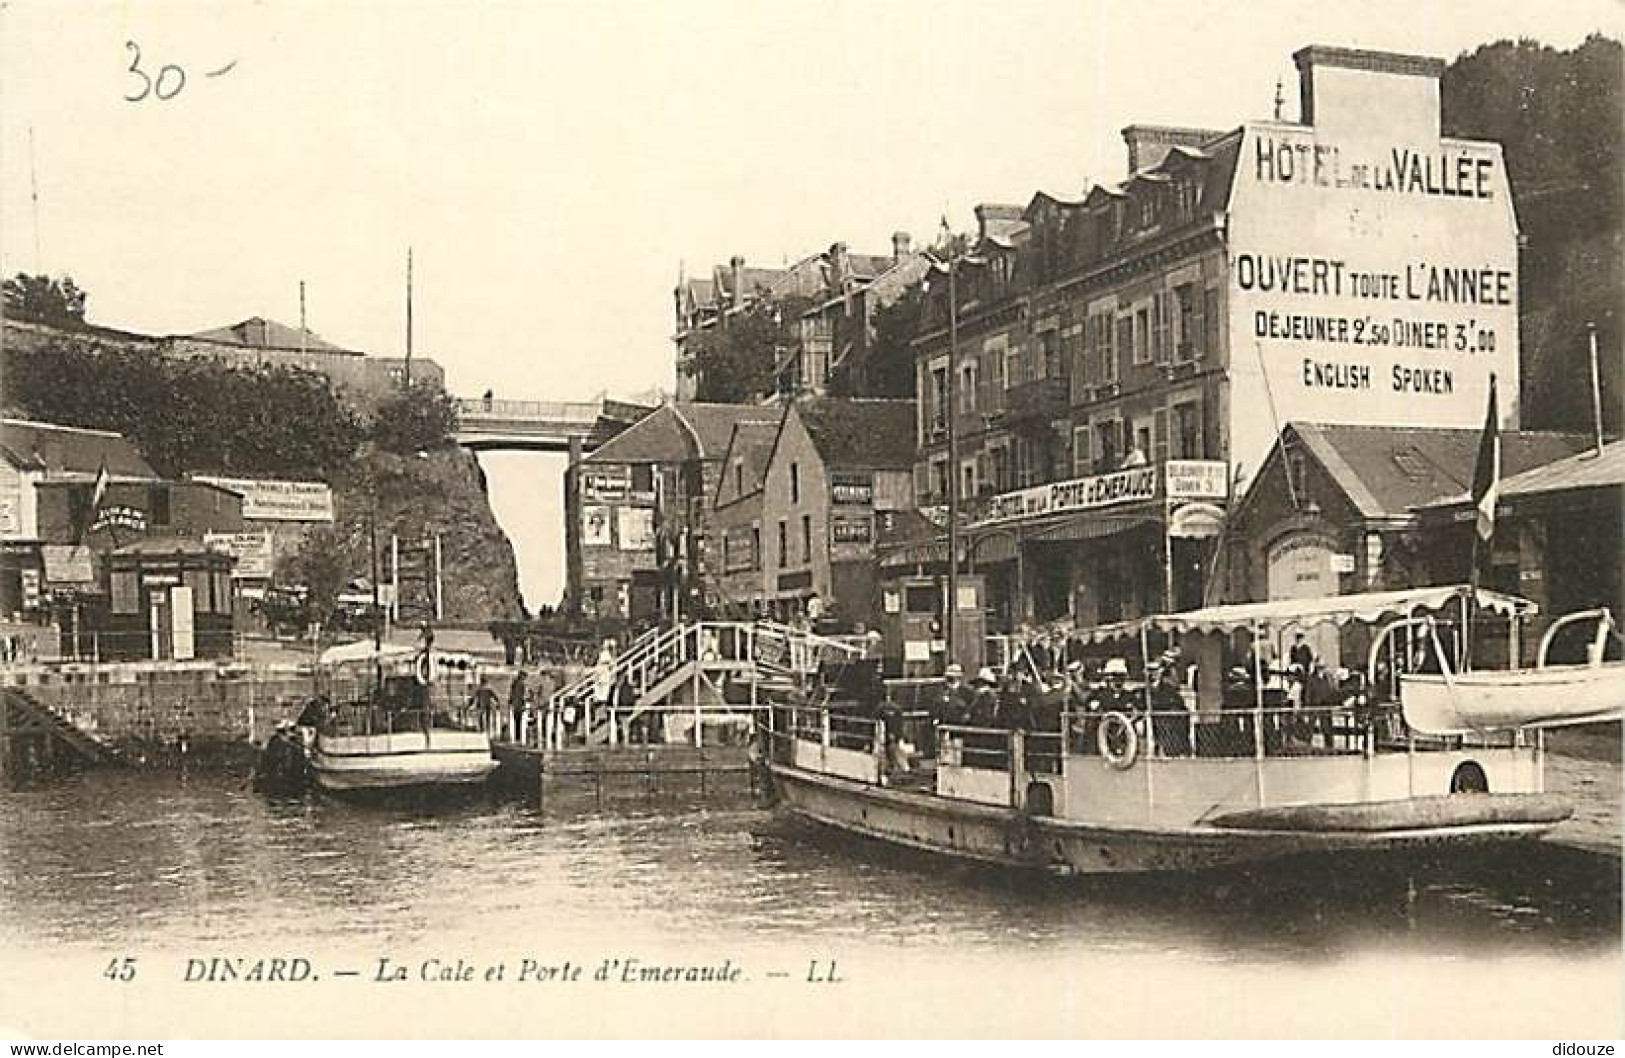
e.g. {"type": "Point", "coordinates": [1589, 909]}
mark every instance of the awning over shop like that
{"type": "Point", "coordinates": [1091, 527]}
{"type": "Point", "coordinates": [991, 546]}
{"type": "Point", "coordinates": [924, 553]}
{"type": "Point", "coordinates": [1304, 613]}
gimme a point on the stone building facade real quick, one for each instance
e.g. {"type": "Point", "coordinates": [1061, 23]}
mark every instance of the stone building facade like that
{"type": "Point", "coordinates": [1352, 267]}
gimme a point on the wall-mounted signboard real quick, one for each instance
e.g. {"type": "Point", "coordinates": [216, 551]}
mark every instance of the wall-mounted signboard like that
{"type": "Point", "coordinates": [851, 488]}
{"type": "Point", "coordinates": [266, 500]}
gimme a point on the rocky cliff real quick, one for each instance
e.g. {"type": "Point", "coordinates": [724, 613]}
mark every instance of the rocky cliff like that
{"type": "Point", "coordinates": [440, 491]}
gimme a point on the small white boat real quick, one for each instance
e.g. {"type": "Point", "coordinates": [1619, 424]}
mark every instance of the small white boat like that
{"type": "Point", "coordinates": [401, 759]}
{"type": "Point", "coordinates": [1546, 696]}
{"type": "Point", "coordinates": [398, 738]}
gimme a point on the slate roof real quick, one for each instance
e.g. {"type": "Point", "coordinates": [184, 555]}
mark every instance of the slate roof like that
{"type": "Point", "coordinates": [1586, 470]}
{"type": "Point", "coordinates": [752, 442]}
{"type": "Point", "coordinates": [71, 450]}
{"type": "Point", "coordinates": [1387, 471]}
{"type": "Point", "coordinates": [257, 332]}
{"type": "Point", "coordinates": [677, 433]}
{"type": "Point", "coordinates": [861, 434]}
{"type": "Point", "coordinates": [868, 266]}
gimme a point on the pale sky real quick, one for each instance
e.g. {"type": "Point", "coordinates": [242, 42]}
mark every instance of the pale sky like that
{"type": "Point", "coordinates": [553, 165]}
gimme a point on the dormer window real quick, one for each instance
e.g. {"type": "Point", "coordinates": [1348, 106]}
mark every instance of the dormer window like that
{"type": "Point", "coordinates": [1190, 198]}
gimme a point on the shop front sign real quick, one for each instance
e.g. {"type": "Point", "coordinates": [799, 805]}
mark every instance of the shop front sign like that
{"type": "Point", "coordinates": [1198, 479]}
{"type": "Point", "coordinates": [1079, 494]}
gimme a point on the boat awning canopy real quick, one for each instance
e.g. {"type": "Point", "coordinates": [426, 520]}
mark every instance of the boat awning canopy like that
{"type": "Point", "coordinates": [362, 650]}
{"type": "Point", "coordinates": [1303, 613]}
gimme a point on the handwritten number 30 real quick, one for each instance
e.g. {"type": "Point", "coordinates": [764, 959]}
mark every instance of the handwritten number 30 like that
{"type": "Point", "coordinates": [168, 84]}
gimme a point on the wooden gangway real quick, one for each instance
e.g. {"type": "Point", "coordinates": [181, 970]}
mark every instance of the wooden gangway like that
{"type": "Point", "coordinates": [701, 666]}
{"type": "Point", "coordinates": [665, 690]}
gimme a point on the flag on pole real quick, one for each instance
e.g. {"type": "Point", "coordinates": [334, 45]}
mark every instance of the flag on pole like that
{"type": "Point", "coordinates": [1487, 473]}
{"type": "Point", "coordinates": [103, 479]}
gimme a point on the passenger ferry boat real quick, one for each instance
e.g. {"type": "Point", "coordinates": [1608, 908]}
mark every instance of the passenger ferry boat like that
{"type": "Point", "coordinates": [1215, 781]}
{"type": "Point", "coordinates": [366, 747]}
{"type": "Point", "coordinates": [395, 739]}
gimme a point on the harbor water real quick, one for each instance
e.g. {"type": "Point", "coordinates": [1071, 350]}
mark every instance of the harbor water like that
{"type": "Point", "coordinates": [176, 870]}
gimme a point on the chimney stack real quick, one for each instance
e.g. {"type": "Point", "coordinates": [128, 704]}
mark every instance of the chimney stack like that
{"type": "Point", "coordinates": [838, 265]}
{"type": "Point", "coordinates": [1339, 88]}
{"type": "Point", "coordinates": [736, 269]}
{"type": "Point", "coordinates": [1148, 145]}
{"type": "Point", "coordinates": [900, 243]}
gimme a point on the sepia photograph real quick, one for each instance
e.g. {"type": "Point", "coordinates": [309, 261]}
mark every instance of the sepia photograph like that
{"type": "Point", "coordinates": [824, 519]}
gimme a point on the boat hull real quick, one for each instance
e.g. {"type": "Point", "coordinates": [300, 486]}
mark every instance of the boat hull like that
{"type": "Point", "coordinates": [1557, 696]}
{"type": "Point", "coordinates": [402, 761]}
{"type": "Point", "coordinates": [1008, 838]}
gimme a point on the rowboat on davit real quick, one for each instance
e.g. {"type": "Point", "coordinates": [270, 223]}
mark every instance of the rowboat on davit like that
{"type": "Point", "coordinates": [1548, 695]}
{"type": "Point", "coordinates": [1239, 770]}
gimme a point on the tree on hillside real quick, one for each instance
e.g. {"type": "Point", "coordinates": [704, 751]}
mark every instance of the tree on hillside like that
{"type": "Point", "coordinates": [43, 299]}
{"type": "Point", "coordinates": [736, 358]}
{"type": "Point", "coordinates": [189, 416]}
{"type": "Point", "coordinates": [1556, 115]}
{"type": "Point", "coordinates": [891, 358]}
{"type": "Point", "coordinates": [322, 566]}
{"type": "Point", "coordinates": [418, 419]}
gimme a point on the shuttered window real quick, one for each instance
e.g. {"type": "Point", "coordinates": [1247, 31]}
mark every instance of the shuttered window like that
{"type": "Point", "coordinates": [1210, 323]}
{"type": "Point", "coordinates": [126, 596]}
{"type": "Point", "coordinates": [1161, 337]}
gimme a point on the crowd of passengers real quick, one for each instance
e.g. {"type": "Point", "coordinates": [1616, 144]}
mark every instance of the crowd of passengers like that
{"type": "Point", "coordinates": [1045, 688]}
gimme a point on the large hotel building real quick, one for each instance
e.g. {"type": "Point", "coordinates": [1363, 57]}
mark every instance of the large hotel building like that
{"type": "Point", "coordinates": [1121, 366]}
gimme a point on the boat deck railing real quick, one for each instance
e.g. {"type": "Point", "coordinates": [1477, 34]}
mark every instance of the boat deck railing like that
{"type": "Point", "coordinates": [365, 718]}
{"type": "Point", "coordinates": [825, 727]}
{"type": "Point", "coordinates": [1286, 732]}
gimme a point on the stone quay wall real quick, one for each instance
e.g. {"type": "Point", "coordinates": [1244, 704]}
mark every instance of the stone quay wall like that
{"type": "Point", "coordinates": [149, 709]}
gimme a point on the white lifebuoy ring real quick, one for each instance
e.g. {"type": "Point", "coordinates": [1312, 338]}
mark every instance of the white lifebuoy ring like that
{"type": "Point", "coordinates": [424, 668]}
{"type": "Point", "coordinates": [1131, 741]}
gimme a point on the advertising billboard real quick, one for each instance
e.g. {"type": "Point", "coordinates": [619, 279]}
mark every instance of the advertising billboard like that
{"type": "Point", "coordinates": [280, 501]}
{"type": "Point", "coordinates": [1373, 281]}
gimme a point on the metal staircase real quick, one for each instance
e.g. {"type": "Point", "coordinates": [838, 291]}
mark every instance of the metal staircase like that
{"type": "Point", "coordinates": [697, 659]}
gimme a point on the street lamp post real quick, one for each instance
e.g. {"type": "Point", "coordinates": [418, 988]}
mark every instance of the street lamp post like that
{"type": "Point", "coordinates": [953, 453]}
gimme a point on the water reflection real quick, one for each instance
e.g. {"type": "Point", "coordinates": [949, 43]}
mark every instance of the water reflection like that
{"type": "Point", "coordinates": [161, 861]}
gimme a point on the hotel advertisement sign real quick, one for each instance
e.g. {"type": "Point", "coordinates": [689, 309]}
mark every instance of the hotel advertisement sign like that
{"type": "Point", "coordinates": [252, 550]}
{"type": "Point", "coordinates": [845, 529]}
{"type": "Point", "coordinates": [265, 500]}
{"type": "Point", "coordinates": [852, 489]}
{"type": "Point", "coordinates": [1079, 494]}
{"type": "Point", "coordinates": [1374, 281]}
{"type": "Point", "coordinates": [1197, 479]}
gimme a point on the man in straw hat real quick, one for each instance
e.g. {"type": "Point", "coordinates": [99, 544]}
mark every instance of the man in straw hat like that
{"type": "Point", "coordinates": [955, 706]}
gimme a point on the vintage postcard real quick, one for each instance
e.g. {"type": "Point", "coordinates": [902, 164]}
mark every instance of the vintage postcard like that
{"type": "Point", "coordinates": [565, 519]}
